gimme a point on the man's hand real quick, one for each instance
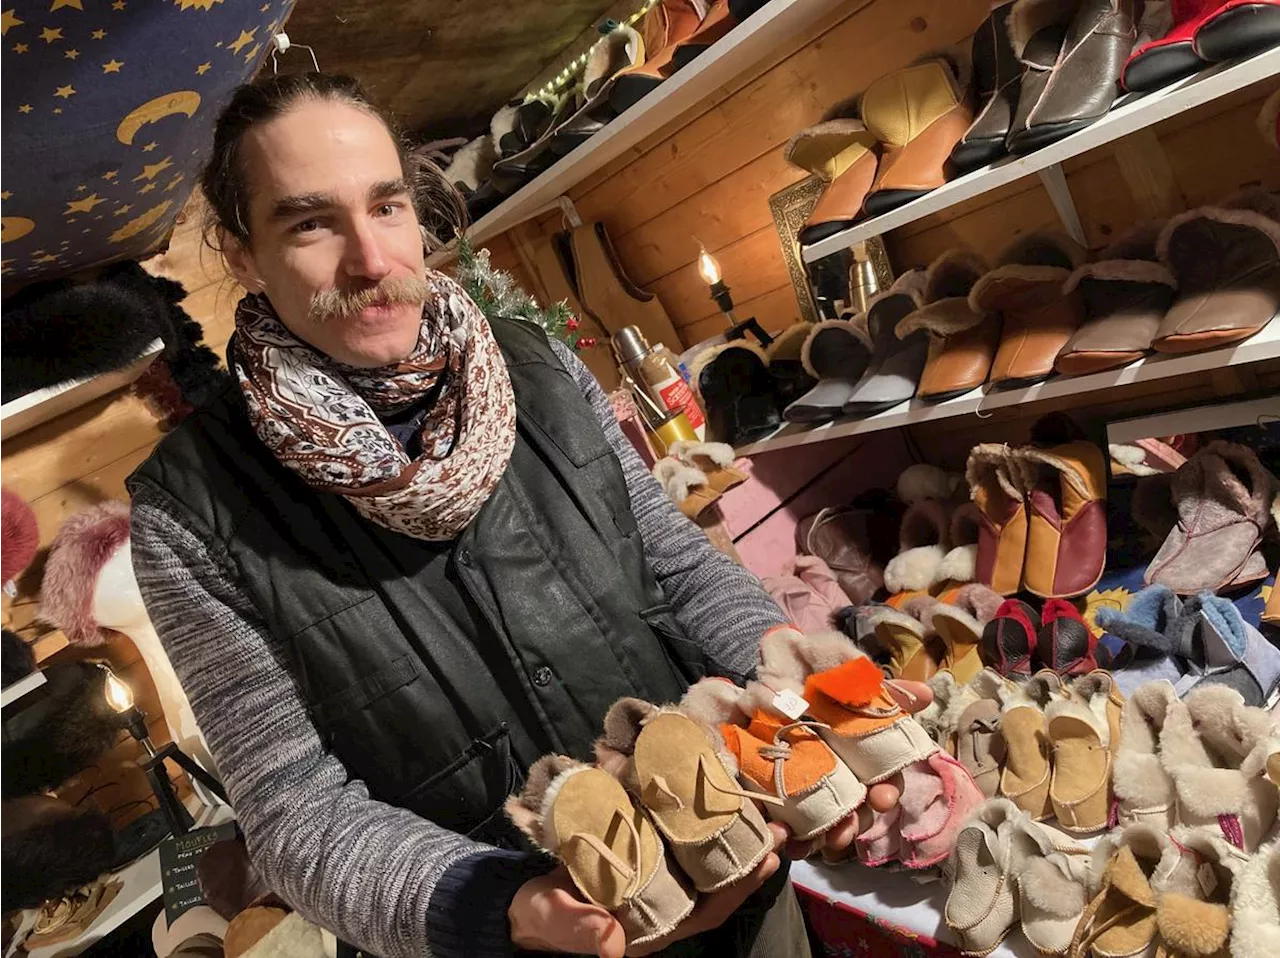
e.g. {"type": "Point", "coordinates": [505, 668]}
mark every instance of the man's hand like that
{"type": "Point", "coordinates": [547, 914]}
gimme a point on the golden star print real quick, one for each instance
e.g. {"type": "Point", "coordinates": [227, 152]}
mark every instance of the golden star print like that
{"type": "Point", "coordinates": [72, 54]}
{"type": "Point", "coordinates": [203, 68]}
{"type": "Point", "coordinates": [151, 170]}
{"type": "Point", "coordinates": [248, 57]}
{"type": "Point", "coordinates": [65, 92]}
{"type": "Point", "coordinates": [196, 4]}
{"type": "Point", "coordinates": [148, 188]}
{"type": "Point", "coordinates": [25, 108]}
{"type": "Point", "coordinates": [99, 34]}
{"type": "Point", "coordinates": [50, 34]}
{"type": "Point", "coordinates": [110, 175]}
{"type": "Point", "coordinates": [20, 48]}
{"type": "Point", "coordinates": [9, 19]}
{"type": "Point", "coordinates": [149, 147]}
{"type": "Point", "coordinates": [242, 41]}
{"type": "Point", "coordinates": [121, 211]}
{"type": "Point", "coordinates": [73, 4]}
{"type": "Point", "coordinates": [112, 66]}
{"type": "Point", "coordinates": [118, 5]}
{"type": "Point", "coordinates": [85, 205]}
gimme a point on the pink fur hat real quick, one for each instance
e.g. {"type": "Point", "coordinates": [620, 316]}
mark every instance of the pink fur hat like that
{"type": "Point", "coordinates": [85, 543]}
{"type": "Point", "coordinates": [19, 535]}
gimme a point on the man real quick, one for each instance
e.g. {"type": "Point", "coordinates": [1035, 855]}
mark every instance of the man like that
{"type": "Point", "coordinates": [407, 553]}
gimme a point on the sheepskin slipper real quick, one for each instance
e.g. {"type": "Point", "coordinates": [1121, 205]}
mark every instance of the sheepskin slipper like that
{"type": "Point", "coordinates": [960, 623]}
{"type": "Point", "coordinates": [1217, 646]}
{"type": "Point", "coordinates": [736, 389]}
{"type": "Point", "coordinates": [1002, 532]}
{"type": "Point", "coordinates": [1082, 729]}
{"type": "Point", "coordinates": [1255, 906]}
{"type": "Point", "coordinates": [841, 536]}
{"type": "Point", "coordinates": [1065, 643]}
{"type": "Point", "coordinates": [960, 564]}
{"type": "Point", "coordinates": [1144, 625]}
{"type": "Point", "coordinates": [904, 638]}
{"type": "Point", "coordinates": [836, 352]}
{"type": "Point", "coordinates": [979, 745]}
{"type": "Point", "coordinates": [1144, 791]}
{"type": "Point", "coordinates": [686, 486]}
{"type": "Point", "coordinates": [864, 721]}
{"type": "Point", "coordinates": [1025, 778]}
{"type": "Point", "coordinates": [941, 717]}
{"type": "Point", "coordinates": [711, 825]}
{"type": "Point", "coordinates": [715, 460]}
{"type": "Point", "coordinates": [1206, 740]}
{"type": "Point", "coordinates": [1009, 639]}
{"type": "Point", "coordinates": [584, 817]}
{"type": "Point", "coordinates": [1223, 497]}
{"type": "Point", "coordinates": [923, 542]}
{"type": "Point", "coordinates": [776, 756]}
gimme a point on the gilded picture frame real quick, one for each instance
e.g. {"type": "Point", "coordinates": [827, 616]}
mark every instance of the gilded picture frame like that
{"type": "Point", "coordinates": [790, 208]}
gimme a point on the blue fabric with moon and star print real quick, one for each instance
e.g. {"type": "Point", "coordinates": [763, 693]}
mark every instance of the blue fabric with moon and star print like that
{"type": "Point", "coordinates": [108, 109]}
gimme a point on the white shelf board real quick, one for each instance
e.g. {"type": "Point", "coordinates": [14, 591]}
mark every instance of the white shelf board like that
{"type": "Point", "coordinates": [756, 38]}
{"type": "Point", "coordinates": [1208, 418]}
{"type": "Point", "coordinates": [1132, 113]}
{"type": "Point", "coordinates": [142, 886]}
{"type": "Point", "coordinates": [28, 683]}
{"type": "Point", "coordinates": [31, 410]}
{"type": "Point", "coordinates": [1264, 345]}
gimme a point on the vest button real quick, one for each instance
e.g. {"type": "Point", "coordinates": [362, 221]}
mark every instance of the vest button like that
{"type": "Point", "coordinates": [464, 557]}
{"type": "Point", "coordinates": [543, 676]}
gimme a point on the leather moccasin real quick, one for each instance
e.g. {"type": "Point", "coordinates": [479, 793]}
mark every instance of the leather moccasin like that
{"type": "Point", "coordinates": [715, 460]}
{"type": "Point", "coordinates": [1065, 643]}
{"type": "Point", "coordinates": [1009, 639]}
{"type": "Point", "coordinates": [1223, 496]}
{"type": "Point", "coordinates": [1025, 778]}
{"type": "Point", "coordinates": [1036, 317]}
{"type": "Point", "coordinates": [776, 756]}
{"type": "Point", "coordinates": [918, 114]}
{"type": "Point", "coordinates": [1204, 744]}
{"type": "Point", "coordinates": [737, 392]}
{"type": "Point", "coordinates": [962, 341]}
{"type": "Point", "coordinates": [940, 717]}
{"type": "Point", "coordinates": [1238, 28]}
{"type": "Point", "coordinates": [960, 624]}
{"type": "Point", "coordinates": [1125, 295]}
{"type": "Point", "coordinates": [1082, 729]}
{"type": "Point", "coordinates": [710, 824]}
{"type": "Point", "coordinates": [1226, 261]}
{"type": "Point", "coordinates": [583, 816]}
{"type": "Point", "coordinates": [896, 364]}
{"type": "Point", "coordinates": [1144, 791]}
{"type": "Point", "coordinates": [844, 154]}
{"type": "Point", "coordinates": [979, 746]}
{"type": "Point", "coordinates": [1073, 53]}
{"type": "Point", "coordinates": [841, 537]}
{"type": "Point", "coordinates": [1067, 526]}
{"type": "Point", "coordinates": [997, 78]}
{"type": "Point", "coordinates": [1157, 62]}
{"type": "Point", "coordinates": [836, 354]}
{"type": "Point", "coordinates": [994, 485]}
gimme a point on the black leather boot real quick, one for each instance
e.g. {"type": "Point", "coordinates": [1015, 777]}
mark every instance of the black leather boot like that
{"type": "Point", "coordinates": [997, 77]}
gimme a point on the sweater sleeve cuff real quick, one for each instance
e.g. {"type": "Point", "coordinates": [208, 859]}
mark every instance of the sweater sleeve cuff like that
{"type": "Point", "coordinates": [467, 914]}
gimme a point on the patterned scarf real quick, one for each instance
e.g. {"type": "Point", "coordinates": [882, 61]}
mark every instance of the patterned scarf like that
{"type": "Point", "coordinates": [320, 417]}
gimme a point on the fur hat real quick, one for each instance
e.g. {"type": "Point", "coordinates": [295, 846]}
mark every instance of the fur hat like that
{"type": "Point", "coordinates": [84, 544]}
{"type": "Point", "coordinates": [49, 848]}
{"type": "Point", "coordinates": [19, 535]}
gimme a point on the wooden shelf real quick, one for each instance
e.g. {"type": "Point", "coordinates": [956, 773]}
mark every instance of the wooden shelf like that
{"type": "Point", "coordinates": [759, 36]}
{"type": "Point", "coordinates": [1132, 113]}
{"type": "Point", "coordinates": [42, 405]}
{"type": "Point", "coordinates": [1265, 345]}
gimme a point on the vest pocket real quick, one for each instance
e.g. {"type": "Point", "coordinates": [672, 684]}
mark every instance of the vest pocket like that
{"type": "Point", "coordinates": [685, 656]}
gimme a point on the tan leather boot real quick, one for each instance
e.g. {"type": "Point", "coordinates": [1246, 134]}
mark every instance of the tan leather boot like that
{"type": "Point", "coordinates": [918, 114]}
{"type": "Point", "coordinates": [843, 153]}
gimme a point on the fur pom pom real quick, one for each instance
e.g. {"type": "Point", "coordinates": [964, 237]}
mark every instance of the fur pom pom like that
{"type": "Point", "coordinates": [84, 544]}
{"type": "Point", "coordinates": [19, 535]}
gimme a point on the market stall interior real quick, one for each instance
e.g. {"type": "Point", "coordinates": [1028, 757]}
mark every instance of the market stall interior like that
{"type": "Point", "coordinates": [954, 324]}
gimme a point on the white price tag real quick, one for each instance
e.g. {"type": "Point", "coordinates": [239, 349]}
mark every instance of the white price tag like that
{"type": "Point", "coordinates": [1208, 879]}
{"type": "Point", "coordinates": [790, 704]}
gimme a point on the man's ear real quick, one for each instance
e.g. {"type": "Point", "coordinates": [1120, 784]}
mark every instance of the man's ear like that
{"type": "Point", "coordinates": [240, 262]}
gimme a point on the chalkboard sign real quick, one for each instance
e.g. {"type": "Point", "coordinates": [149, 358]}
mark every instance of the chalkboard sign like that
{"type": "Point", "coordinates": [178, 858]}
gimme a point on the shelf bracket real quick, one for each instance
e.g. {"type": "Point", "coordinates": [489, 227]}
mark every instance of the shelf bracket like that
{"type": "Point", "coordinates": [1060, 195]}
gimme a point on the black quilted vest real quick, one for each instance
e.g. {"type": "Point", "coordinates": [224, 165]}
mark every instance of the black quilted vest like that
{"type": "Point", "coordinates": [438, 672]}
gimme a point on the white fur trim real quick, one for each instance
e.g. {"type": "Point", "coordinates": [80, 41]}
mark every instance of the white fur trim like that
{"type": "Point", "coordinates": [952, 700]}
{"type": "Point", "coordinates": [886, 615]}
{"type": "Point", "coordinates": [1255, 908]}
{"type": "Point", "coordinates": [1069, 471]}
{"type": "Point", "coordinates": [913, 569]}
{"type": "Point", "coordinates": [990, 684]}
{"type": "Point", "coordinates": [715, 702]}
{"type": "Point", "coordinates": [923, 481]}
{"type": "Point", "coordinates": [1122, 270]}
{"type": "Point", "coordinates": [958, 565]}
{"type": "Point", "coordinates": [503, 122]}
{"type": "Point", "coordinates": [472, 163]}
{"type": "Point", "coordinates": [788, 657]}
{"type": "Point", "coordinates": [994, 458]}
{"type": "Point", "coordinates": [686, 450]}
{"type": "Point", "coordinates": [677, 478]}
{"type": "Point", "coordinates": [845, 326]}
{"type": "Point", "coordinates": [1064, 708]}
{"type": "Point", "coordinates": [960, 617]}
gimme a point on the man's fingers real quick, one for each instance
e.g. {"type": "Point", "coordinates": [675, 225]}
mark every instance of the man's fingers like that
{"type": "Point", "coordinates": [910, 696]}
{"type": "Point", "coordinates": [838, 839]}
{"type": "Point", "coordinates": [610, 941]}
{"type": "Point", "coordinates": [883, 796]}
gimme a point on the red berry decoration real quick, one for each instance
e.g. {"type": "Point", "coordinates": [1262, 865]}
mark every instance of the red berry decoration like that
{"type": "Point", "coordinates": [571, 324]}
{"type": "Point", "coordinates": [586, 342]}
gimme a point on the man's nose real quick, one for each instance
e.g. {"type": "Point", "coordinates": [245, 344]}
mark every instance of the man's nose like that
{"type": "Point", "coordinates": [365, 256]}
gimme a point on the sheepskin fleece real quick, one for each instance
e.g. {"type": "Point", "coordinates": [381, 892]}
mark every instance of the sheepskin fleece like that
{"type": "Point", "coordinates": [1218, 214]}
{"type": "Point", "coordinates": [503, 122]}
{"type": "Point", "coordinates": [923, 481]}
{"type": "Point", "coordinates": [677, 479]}
{"type": "Point", "coordinates": [528, 810]}
{"type": "Point", "coordinates": [958, 565]}
{"type": "Point", "coordinates": [788, 658]}
{"type": "Point", "coordinates": [1139, 778]}
{"type": "Point", "coordinates": [1043, 249]}
{"type": "Point", "coordinates": [1070, 708]}
{"type": "Point", "coordinates": [19, 535]}
{"type": "Point", "coordinates": [472, 164]}
{"type": "Point", "coordinates": [950, 699]}
{"type": "Point", "coordinates": [715, 702]}
{"type": "Point", "coordinates": [686, 450]}
{"type": "Point", "coordinates": [1122, 271]}
{"type": "Point", "coordinates": [952, 275]}
{"type": "Point", "coordinates": [825, 329]}
{"type": "Point", "coordinates": [913, 569]}
{"type": "Point", "coordinates": [704, 358]}
{"type": "Point", "coordinates": [84, 544]}
{"type": "Point", "coordinates": [909, 284]}
{"type": "Point", "coordinates": [991, 460]}
{"type": "Point", "coordinates": [788, 344]}
{"type": "Point", "coordinates": [1146, 620]}
{"type": "Point", "coordinates": [1255, 906]}
{"type": "Point", "coordinates": [1028, 17]}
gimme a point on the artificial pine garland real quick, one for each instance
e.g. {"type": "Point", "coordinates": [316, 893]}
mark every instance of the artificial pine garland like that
{"type": "Point", "coordinates": [498, 294]}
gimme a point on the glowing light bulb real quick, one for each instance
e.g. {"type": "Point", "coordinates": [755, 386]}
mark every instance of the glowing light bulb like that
{"type": "Point", "coordinates": [119, 696]}
{"type": "Point", "coordinates": [708, 268]}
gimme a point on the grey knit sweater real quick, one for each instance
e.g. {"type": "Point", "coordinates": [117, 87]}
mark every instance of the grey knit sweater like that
{"type": "Point", "coordinates": [381, 877]}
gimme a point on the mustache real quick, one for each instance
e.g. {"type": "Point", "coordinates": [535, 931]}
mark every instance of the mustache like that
{"type": "Point", "coordinates": [338, 302]}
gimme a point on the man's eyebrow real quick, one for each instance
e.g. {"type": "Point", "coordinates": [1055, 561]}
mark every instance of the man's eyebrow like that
{"type": "Point", "coordinates": [387, 188]}
{"type": "Point", "coordinates": [302, 203]}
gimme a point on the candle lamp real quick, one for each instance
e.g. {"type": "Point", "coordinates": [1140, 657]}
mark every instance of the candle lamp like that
{"type": "Point", "coordinates": [709, 270]}
{"type": "Point", "coordinates": [120, 698]}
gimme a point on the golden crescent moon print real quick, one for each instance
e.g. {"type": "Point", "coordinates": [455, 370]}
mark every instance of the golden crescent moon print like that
{"type": "Point", "coordinates": [14, 228]}
{"type": "Point", "coordinates": [182, 101]}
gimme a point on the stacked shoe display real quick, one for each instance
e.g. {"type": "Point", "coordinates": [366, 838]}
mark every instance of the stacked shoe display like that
{"type": "Point", "coordinates": [1202, 32]}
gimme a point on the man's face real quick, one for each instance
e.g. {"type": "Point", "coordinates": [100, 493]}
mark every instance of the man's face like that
{"type": "Point", "coordinates": [334, 240]}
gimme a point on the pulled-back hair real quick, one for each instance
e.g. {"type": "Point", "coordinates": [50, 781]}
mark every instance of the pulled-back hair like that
{"type": "Point", "coordinates": [224, 182]}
